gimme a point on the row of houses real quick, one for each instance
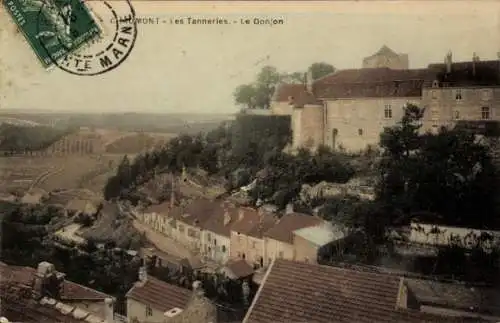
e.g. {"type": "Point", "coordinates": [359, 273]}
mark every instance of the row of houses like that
{"type": "Point", "coordinates": [222, 231]}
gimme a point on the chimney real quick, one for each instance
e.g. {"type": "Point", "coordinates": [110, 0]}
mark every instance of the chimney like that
{"type": "Point", "coordinates": [246, 293]}
{"type": "Point", "coordinates": [289, 208]}
{"type": "Point", "coordinates": [47, 281]}
{"type": "Point", "coordinates": [309, 81]}
{"type": "Point", "coordinates": [172, 194]}
{"type": "Point", "coordinates": [475, 59]}
{"type": "Point", "coordinates": [227, 217]}
{"type": "Point", "coordinates": [143, 274]}
{"type": "Point", "coordinates": [402, 298]}
{"type": "Point", "coordinates": [198, 289]}
{"type": "Point", "coordinates": [448, 62]}
{"type": "Point", "coordinates": [109, 311]}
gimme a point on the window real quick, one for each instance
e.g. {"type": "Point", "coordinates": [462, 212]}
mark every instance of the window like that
{"type": "Point", "coordinates": [485, 113]}
{"type": "Point", "coordinates": [181, 228]}
{"type": "Point", "coordinates": [485, 95]}
{"type": "Point", "coordinates": [456, 115]}
{"type": "Point", "coordinates": [388, 111]}
{"type": "Point", "coordinates": [243, 256]}
{"type": "Point", "coordinates": [254, 244]}
{"type": "Point", "coordinates": [209, 237]}
{"type": "Point", "coordinates": [360, 132]}
{"type": "Point", "coordinates": [280, 255]}
{"type": "Point", "coordinates": [223, 248]}
{"type": "Point", "coordinates": [434, 94]}
{"type": "Point", "coordinates": [215, 242]}
{"type": "Point", "coordinates": [149, 311]}
{"type": "Point", "coordinates": [435, 84]}
{"type": "Point", "coordinates": [239, 254]}
{"type": "Point", "coordinates": [434, 114]}
{"type": "Point", "coordinates": [458, 95]}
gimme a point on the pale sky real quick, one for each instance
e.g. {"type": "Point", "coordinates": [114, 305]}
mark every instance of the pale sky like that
{"type": "Point", "coordinates": [195, 68]}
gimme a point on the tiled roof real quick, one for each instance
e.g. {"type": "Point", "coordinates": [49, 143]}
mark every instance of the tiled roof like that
{"type": "Point", "coordinates": [267, 222]}
{"type": "Point", "coordinates": [196, 213]}
{"type": "Point", "coordinates": [158, 208]}
{"type": "Point", "coordinates": [215, 222]}
{"type": "Point", "coordinates": [19, 306]}
{"type": "Point", "coordinates": [462, 73]}
{"type": "Point", "coordinates": [456, 296]}
{"type": "Point", "coordinates": [300, 292]}
{"type": "Point", "coordinates": [283, 230]}
{"type": "Point", "coordinates": [71, 291]}
{"type": "Point", "coordinates": [239, 268]}
{"type": "Point", "coordinates": [359, 83]}
{"type": "Point", "coordinates": [295, 94]}
{"type": "Point", "coordinates": [159, 295]}
{"type": "Point", "coordinates": [253, 223]}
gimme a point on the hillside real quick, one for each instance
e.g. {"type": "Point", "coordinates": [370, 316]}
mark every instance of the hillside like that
{"type": "Point", "coordinates": [137, 142]}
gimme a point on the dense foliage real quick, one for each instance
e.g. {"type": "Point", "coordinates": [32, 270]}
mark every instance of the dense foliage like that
{"type": "Point", "coordinates": [20, 139]}
{"type": "Point", "coordinates": [252, 145]}
{"type": "Point", "coordinates": [448, 173]}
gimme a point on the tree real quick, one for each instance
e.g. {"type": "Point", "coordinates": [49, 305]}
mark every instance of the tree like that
{"type": "Point", "coordinates": [321, 69]}
{"type": "Point", "coordinates": [245, 95]}
{"type": "Point", "coordinates": [450, 173]}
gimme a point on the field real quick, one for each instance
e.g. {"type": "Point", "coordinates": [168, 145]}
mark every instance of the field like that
{"type": "Point", "coordinates": [78, 173]}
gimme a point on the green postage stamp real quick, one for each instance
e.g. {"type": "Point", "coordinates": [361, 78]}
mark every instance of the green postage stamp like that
{"type": "Point", "coordinates": [53, 28]}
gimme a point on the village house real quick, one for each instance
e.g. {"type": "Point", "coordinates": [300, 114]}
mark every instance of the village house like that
{"type": "Point", "coordinates": [247, 235]}
{"type": "Point", "coordinates": [44, 295]}
{"type": "Point", "coordinates": [151, 300]}
{"type": "Point", "coordinates": [216, 236]}
{"type": "Point", "coordinates": [301, 292]}
{"type": "Point", "coordinates": [313, 244]}
{"type": "Point", "coordinates": [279, 239]}
{"type": "Point", "coordinates": [348, 109]}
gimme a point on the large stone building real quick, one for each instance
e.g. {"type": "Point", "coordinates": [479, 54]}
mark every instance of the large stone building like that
{"type": "Point", "coordinates": [349, 108]}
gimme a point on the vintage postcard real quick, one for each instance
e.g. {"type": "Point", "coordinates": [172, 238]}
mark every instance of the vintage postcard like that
{"type": "Point", "coordinates": [249, 161]}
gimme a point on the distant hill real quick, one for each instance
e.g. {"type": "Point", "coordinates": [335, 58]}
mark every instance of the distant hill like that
{"type": "Point", "coordinates": [148, 122]}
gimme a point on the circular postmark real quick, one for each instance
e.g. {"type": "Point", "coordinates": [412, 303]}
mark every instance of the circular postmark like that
{"type": "Point", "coordinates": [79, 42]}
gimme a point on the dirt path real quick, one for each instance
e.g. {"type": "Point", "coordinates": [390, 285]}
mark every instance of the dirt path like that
{"type": "Point", "coordinates": [162, 242]}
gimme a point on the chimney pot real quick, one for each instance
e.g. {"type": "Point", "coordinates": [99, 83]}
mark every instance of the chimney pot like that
{"type": "Point", "coordinates": [309, 81]}
{"type": "Point", "coordinates": [143, 274]}
{"type": "Point", "coordinates": [448, 62]}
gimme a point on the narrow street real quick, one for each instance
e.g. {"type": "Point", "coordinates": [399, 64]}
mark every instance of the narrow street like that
{"type": "Point", "coordinates": [162, 242]}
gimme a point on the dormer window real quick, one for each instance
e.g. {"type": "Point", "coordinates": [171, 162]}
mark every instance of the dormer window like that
{"type": "Point", "coordinates": [458, 95]}
{"type": "Point", "coordinates": [435, 84]}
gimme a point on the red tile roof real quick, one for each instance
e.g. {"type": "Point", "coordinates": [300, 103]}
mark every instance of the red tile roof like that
{"type": "Point", "coordinates": [252, 223]}
{"type": "Point", "coordinates": [283, 230]}
{"type": "Point", "coordinates": [71, 291]}
{"type": "Point", "coordinates": [300, 292]}
{"type": "Point", "coordinates": [19, 306]}
{"type": "Point", "coordinates": [159, 295]}
{"type": "Point", "coordinates": [358, 83]}
{"type": "Point", "coordinates": [196, 213]}
{"type": "Point", "coordinates": [216, 221]}
{"type": "Point", "coordinates": [295, 94]}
